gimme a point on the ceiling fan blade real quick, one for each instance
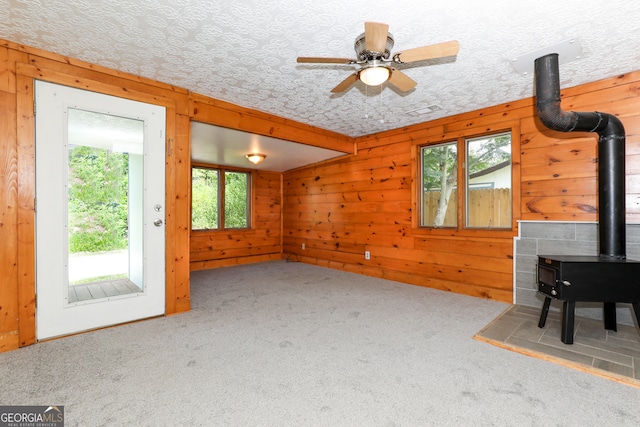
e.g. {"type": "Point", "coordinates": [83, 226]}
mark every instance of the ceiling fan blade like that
{"type": "Point", "coordinates": [311, 59]}
{"type": "Point", "coordinates": [401, 80]}
{"type": "Point", "coordinates": [346, 83]}
{"type": "Point", "coordinates": [375, 36]}
{"type": "Point", "coordinates": [439, 50]}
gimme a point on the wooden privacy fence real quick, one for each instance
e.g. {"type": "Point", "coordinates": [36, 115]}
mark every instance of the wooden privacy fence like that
{"type": "Point", "coordinates": [487, 208]}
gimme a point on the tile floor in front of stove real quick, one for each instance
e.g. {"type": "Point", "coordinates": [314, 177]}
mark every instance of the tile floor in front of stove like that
{"type": "Point", "coordinates": [606, 353]}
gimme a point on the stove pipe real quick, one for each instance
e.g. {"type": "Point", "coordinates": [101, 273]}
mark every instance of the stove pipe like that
{"type": "Point", "coordinates": [611, 157]}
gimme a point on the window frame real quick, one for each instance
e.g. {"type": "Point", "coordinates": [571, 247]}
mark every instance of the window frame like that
{"type": "Point", "coordinates": [467, 177]}
{"type": "Point", "coordinates": [221, 198]}
{"type": "Point", "coordinates": [420, 180]}
{"type": "Point", "coordinates": [460, 137]}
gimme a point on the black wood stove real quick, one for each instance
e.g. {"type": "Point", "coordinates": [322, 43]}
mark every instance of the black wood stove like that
{"type": "Point", "coordinates": [574, 278]}
{"type": "Point", "coordinates": [609, 277]}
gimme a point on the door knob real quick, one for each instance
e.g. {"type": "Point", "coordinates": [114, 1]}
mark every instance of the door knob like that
{"type": "Point", "coordinates": [157, 222]}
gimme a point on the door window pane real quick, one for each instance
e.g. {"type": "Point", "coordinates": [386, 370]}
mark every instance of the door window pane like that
{"type": "Point", "coordinates": [104, 209]}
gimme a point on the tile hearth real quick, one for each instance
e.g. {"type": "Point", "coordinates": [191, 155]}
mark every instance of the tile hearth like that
{"type": "Point", "coordinates": [613, 355]}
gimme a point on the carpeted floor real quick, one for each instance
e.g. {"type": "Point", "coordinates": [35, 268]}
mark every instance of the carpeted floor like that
{"type": "Point", "coordinates": [289, 344]}
{"type": "Point", "coordinates": [612, 355]}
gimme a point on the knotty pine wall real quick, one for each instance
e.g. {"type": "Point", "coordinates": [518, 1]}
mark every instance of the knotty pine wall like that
{"type": "Point", "coordinates": [263, 242]}
{"type": "Point", "coordinates": [338, 209]}
{"type": "Point", "coordinates": [342, 208]}
{"type": "Point", "coordinates": [19, 67]}
{"type": "Point", "coordinates": [559, 170]}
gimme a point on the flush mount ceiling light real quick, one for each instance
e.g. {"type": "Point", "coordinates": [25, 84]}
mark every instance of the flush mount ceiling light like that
{"type": "Point", "coordinates": [255, 158]}
{"type": "Point", "coordinates": [374, 76]}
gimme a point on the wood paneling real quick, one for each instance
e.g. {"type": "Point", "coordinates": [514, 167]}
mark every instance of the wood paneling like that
{"type": "Point", "coordinates": [364, 203]}
{"type": "Point", "coordinates": [338, 209]}
{"type": "Point", "coordinates": [215, 112]}
{"type": "Point", "coordinates": [8, 216]}
{"type": "Point", "coordinates": [559, 170]}
{"type": "Point", "coordinates": [8, 59]}
{"type": "Point", "coordinates": [82, 67]}
{"type": "Point", "coordinates": [19, 67]}
{"type": "Point", "coordinates": [26, 295]}
{"type": "Point", "coordinates": [342, 208]}
{"type": "Point", "coordinates": [180, 150]}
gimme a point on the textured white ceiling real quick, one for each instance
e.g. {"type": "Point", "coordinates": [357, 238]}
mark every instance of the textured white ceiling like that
{"type": "Point", "coordinates": [221, 146]}
{"type": "Point", "coordinates": [244, 51]}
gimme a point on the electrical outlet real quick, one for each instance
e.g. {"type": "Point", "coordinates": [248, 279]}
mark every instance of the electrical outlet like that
{"type": "Point", "coordinates": [367, 255]}
{"type": "Point", "coordinates": [303, 246]}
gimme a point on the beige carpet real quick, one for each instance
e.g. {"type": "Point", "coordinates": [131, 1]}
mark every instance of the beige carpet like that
{"type": "Point", "coordinates": [612, 355]}
{"type": "Point", "coordinates": [289, 344]}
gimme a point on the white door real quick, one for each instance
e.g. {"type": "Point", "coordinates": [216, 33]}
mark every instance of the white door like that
{"type": "Point", "coordinates": [100, 194]}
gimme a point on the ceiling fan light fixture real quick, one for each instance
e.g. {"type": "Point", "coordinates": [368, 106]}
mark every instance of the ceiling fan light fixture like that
{"type": "Point", "coordinates": [374, 76]}
{"type": "Point", "coordinates": [255, 158]}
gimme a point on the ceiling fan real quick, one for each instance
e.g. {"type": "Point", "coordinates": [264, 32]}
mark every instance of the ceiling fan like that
{"type": "Point", "coordinates": [373, 53]}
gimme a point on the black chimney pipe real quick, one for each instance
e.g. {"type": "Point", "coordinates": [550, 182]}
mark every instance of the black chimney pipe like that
{"type": "Point", "coordinates": [611, 156]}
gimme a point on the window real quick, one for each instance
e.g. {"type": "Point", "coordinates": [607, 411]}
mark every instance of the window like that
{"type": "Point", "coordinates": [219, 199]}
{"type": "Point", "coordinates": [488, 182]}
{"type": "Point", "coordinates": [483, 165]}
{"type": "Point", "coordinates": [440, 179]}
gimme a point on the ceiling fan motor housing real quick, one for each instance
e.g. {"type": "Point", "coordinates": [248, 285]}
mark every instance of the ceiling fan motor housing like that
{"type": "Point", "coordinates": [366, 55]}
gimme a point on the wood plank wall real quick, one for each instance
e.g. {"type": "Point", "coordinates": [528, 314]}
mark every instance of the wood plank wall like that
{"type": "Point", "coordinates": [342, 208]}
{"type": "Point", "coordinates": [263, 242]}
{"type": "Point", "coordinates": [9, 207]}
{"type": "Point", "coordinates": [338, 209]}
{"type": "Point", "coordinates": [559, 170]}
{"type": "Point", "coordinates": [19, 66]}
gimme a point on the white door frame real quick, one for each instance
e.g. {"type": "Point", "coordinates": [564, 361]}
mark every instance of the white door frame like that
{"type": "Point", "coordinates": [55, 315]}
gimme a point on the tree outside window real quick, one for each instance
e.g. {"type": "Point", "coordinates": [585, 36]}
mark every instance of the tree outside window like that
{"type": "Point", "coordinates": [98, 199]}
{"type": "Point", "coordinates": [219, 199]}
{"type": "Point", "coordinates": [236, 200]}
{"type": "Point", "coordinates": [439, 179]}
{"type": "Point", "coordinates": [489, 182]}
